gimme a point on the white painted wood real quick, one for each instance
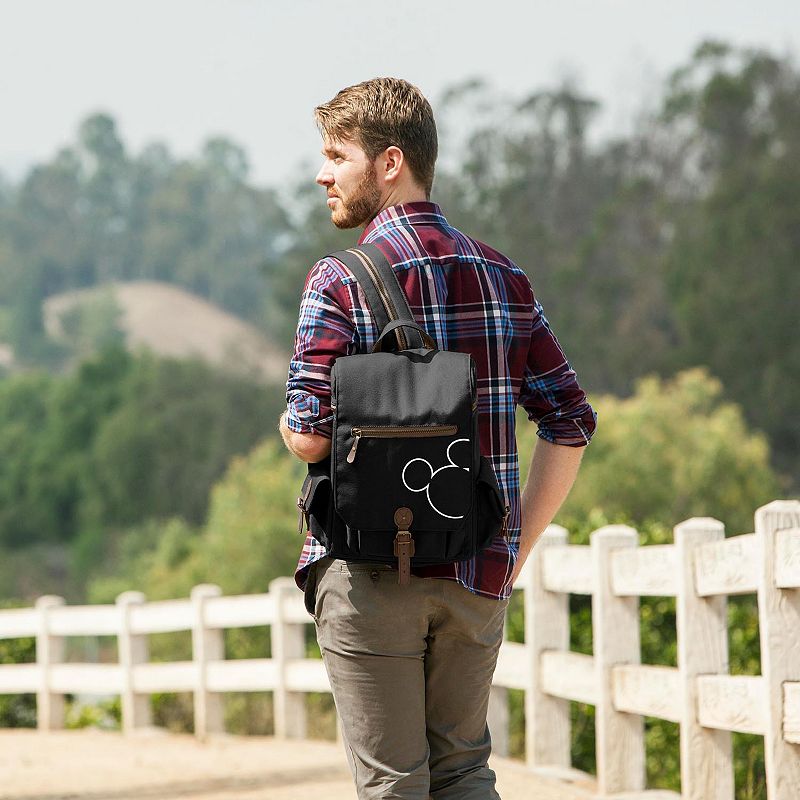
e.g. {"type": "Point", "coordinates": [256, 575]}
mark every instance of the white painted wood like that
{"type": "Point", "coordinates": [700, 569]}
{"type": "Point", "coordinates": [19, 678]}
{"type": "Point", "coordinates": [652, 691]}
{"type": "Point", "coordinates": [546, 619]}
{"type": "Point", "coordinates": [307, 675]}
{"type": "Point", "coordinates": [787, 558]}
{"type": "Point", "coordinates": [644, 571]}
{"type": "Point", "coordinates": [702, 627]}
{"type": "Point", "coordinates": [207, 645]}
{"type": "Point", "coordinates": [567, 569]}
{"type": "Point", "coordinates": [779, 629]}
{"type": "Point", "coordinates": [240, 611]}
{"type": "Point", "coordinates": [512, 669]}
{"type": "Point", "coordinates": [49, 651]}
{"type": "Point", "coordinates": [85, 678]}
{"type": "Point", "coordinates": [243, 675]}
{"type": "Point", "coordinates": [498, 720]}
{"type": "Point", "coordinates": [288, 642]}
{"type": "Point", "coordinates": [162, 616]}
{"type": "Point", "coordinates": [615, 629]}
{"type": "Point", "coordinates": [732, 702]}
{"type": "Point", "coordinates": [791, 711]}
{"type": "Point", "coordinates": [566, 774]}
{"type": "Point", "coordinates": [294, 610]}
{"type": "Point", "coordinates": [133, 649]}
{"type": "Point", "coordinates": [728, 566]}
{"type": "Point", "coordinates": [571, 676]}
{"type": "Point", "coordinates": [497, 713]}
{"type": "Point", "coordinates": [84, 621]}
{"type": "Point", "coordinates": [174, 676]}
{"type": "Point", "coordinates": [18, 622]}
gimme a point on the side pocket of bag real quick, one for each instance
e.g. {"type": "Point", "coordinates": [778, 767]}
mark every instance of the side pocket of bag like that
{"type": "Point", "coordinates": [314, 504]}
{"type": "Point", "coordinates": [491, 513]}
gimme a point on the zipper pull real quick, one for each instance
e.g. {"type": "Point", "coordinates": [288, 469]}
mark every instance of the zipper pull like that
{"type": "Point", "coordinates": [302, 516]}
{"type": "Point", "coordinates": [504, 526]}
{"type": "Point", "coordinates": [351, 456]}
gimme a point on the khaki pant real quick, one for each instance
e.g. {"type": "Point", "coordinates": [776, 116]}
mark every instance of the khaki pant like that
{"type": "Point", "coordinates": [410, 668]}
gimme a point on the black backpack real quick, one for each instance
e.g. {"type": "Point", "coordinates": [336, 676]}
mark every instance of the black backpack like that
{"type": "Point", "coordinates": [405, 482]}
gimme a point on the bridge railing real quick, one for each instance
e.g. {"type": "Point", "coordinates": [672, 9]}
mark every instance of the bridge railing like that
{"type": "Point", "coordinates": [700, 570]}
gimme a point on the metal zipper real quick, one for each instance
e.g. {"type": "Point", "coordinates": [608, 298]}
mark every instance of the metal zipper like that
{"type": "Point", "coordinates": [391, 311]}
{"type": "Point", "coordinates": [396, 431]}
{"type": "Point", "coordinates": [301, 504]}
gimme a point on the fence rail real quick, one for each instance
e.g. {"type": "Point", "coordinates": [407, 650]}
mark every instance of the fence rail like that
{"type": "Point", "coordinates": [700, 569]}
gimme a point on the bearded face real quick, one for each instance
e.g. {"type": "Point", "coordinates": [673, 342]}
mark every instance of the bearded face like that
{"type": "Point", "coordinates": [356, 206]}
{"type": "Point", "coordinates": [351, 182]}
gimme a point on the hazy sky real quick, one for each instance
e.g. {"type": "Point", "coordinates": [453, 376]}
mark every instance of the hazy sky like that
{"type": "Point", "coordinates": [182, 70]}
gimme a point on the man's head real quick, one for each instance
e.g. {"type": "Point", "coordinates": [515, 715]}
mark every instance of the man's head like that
{"type": "Point", "coordinates": [380, 147]}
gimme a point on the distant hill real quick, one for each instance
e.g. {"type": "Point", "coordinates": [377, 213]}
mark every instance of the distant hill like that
{"type": "Point", "coordinates": [173, 322]}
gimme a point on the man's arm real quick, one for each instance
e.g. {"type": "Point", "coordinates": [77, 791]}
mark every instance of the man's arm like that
{"type": "Point", "coordinates": [552, 397]}
{"type": "Point", "coordinates": [307, 447]}
{"type": "Point", "coordinates": [325, 331]}
{"type": "Point", "coordinates": [551, 475]}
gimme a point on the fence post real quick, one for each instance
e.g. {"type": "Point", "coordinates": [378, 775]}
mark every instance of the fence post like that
{"type": "Point", "coordinates": [779, 623]}
{"type": "Point", "coordinates": [208, 644]}
{"type": "Point", "coordinates": [547, 724]}
{"type": "Point", "coordinates": [288, 642]}
{"type": "Point", "coordinates": [133, 650]}
{"type": "Point", "coordinates": [702, 627]}
{"type": "Point", "coordinates": [615, 632]}
{"type": "Point", "coordinates": [49, 651]}
{"type": "Point", "coordinates": [498, 719]}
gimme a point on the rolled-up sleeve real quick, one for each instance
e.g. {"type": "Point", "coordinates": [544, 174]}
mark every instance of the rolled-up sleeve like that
{"type": "Point", "coordinates": [550, 393]}
{"type": "Point", "coordinates": [325, 331]}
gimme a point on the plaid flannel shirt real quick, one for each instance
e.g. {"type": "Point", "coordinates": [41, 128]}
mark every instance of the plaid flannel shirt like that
{"type": "Point", "coordinates": [471, 299]}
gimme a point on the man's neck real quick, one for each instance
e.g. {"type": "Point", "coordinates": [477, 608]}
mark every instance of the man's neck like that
{"type": "Point", "coordinates": [399, 198]}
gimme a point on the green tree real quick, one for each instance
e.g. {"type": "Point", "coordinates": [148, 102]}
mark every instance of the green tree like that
{"type": "Point", "coordinates": [674, 450]}
{"type": "Point", "coordinates": [732, 268]}
{"type": "Point", "coordinates": [249, 537]}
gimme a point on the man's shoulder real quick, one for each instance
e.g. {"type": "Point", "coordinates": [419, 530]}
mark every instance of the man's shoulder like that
{"type": "Point", "coordinates": [496, 258]}
{"type": "Point", "coordinates": [478, 250]}
{"type": "Point", "coordinates": [327, 272]}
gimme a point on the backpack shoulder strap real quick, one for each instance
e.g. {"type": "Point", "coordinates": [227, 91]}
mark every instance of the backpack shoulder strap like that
{"type": "Point", "coordinates": [385, 296]}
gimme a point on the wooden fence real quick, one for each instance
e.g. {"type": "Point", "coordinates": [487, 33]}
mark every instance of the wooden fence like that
{"type": "Point", "coordinates": [700, 569]}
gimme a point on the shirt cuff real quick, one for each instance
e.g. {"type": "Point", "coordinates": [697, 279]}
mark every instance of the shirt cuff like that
{"type": "Point", "coordinates": [572, 432]}
{"type": "Point", "coordinates": [303, 416]}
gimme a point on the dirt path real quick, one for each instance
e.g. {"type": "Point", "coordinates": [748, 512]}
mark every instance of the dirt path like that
{"type": "Point", "coordinates": [97, 765]}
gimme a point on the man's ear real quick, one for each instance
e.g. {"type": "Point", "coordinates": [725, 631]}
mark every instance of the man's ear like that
{"type": "Point", "coordinates": [392, 161]}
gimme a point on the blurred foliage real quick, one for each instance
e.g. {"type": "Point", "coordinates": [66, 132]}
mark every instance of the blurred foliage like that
{"type": "Point", "coordinates": [105, 714]}
{"type": "Point", "coordinates": [97, 213]}
{"type": "Point", "coordinates": [673, 450]}
{"type": "Point", "coordinates": [249, 538]}
{"type": "Point", "coordinates": [122, 440]}
{"type": "Point", "coordinates": [93, 324]}
{"type": "Point", "coordinates": [17, 710]}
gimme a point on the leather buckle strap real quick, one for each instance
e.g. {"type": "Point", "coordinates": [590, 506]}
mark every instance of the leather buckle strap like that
{"type": "Point", "coordinates": [403, 544]}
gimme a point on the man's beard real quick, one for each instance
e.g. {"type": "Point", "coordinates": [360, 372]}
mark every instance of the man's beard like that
{"type": "Point", "coordinates": [362, 206]}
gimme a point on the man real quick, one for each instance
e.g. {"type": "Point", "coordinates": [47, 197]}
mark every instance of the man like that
{"type": "Point", "coordinates": [411, 667]}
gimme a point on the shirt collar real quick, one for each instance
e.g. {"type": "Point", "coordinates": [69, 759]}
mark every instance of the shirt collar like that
{"type": "Point", "coordinates": [420, 212]}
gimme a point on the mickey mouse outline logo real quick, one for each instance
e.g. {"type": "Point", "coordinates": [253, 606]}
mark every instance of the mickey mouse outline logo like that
{"type": "Point", "coordinates": [450, 465]}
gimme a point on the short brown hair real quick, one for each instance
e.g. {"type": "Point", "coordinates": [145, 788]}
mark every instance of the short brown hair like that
{"type": "Point", "coordinates": [382, 112]}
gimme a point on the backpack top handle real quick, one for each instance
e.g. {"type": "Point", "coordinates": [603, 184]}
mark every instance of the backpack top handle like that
{"type": "Point", "coordinates": [427, 339]}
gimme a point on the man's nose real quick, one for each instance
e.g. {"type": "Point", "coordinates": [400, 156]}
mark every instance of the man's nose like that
{"type": "Point", "coordinates": [325, 175]}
